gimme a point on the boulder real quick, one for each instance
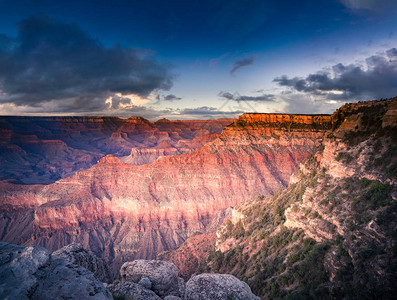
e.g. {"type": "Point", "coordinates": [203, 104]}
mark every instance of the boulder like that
{"type": "Point", "coordinates": [31, 273]}
{"type": "Point", "coordinates": [179, 289]}
{"type": "Point", "coordinates": [76, 254]}
{"type": "Point", "coordinates": [217, 287]}
{"type": "Point", "coordinates": [133, 290]}
{"type": "Point", "coordinates": [145, 282]}
{"type": "Point", "coordinates": [162, 274]}
{"type": "Point", "coordinates": [18, 268]}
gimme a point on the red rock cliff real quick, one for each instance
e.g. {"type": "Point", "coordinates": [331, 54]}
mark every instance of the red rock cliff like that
{"type": "Point", "coordinates": [123, 211]}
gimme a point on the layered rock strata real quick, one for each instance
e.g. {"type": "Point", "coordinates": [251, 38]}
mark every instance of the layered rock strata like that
{"type": "Point", "coordinates": [46, 149]}
{"type": "Point", "coordinates": [123, 212]}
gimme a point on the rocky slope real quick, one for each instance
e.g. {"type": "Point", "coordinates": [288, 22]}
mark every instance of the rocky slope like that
{"type": "Point", "coordinates": [190, 254]}
{"type": "Point", "coordinates": [45, 149]}
{"type": "Point", "coordinates": [123, 212]}
{"type": "Point", "coordinates": [34, 273]}
{"type": "Point", "coordinates": [332, 234]}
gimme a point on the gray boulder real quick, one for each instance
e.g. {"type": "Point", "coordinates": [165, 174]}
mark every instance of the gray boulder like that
{"type": "Point", "coordinates": [179, 289]}
{"type": "Point", "coordinates": [18, 267]}
{"type": "Point", "coordinates": [162, 274]}
{"type": "Point", "coordinates": [31, 273]}
{"type": "Point", "coordinates": [145, 282]}
{"type": "Point", "coordinates": [133, 290]}
{"type": "Point", "coordinates": [217, 287]}
{"type": "Point", "coordinates": [76, 254]}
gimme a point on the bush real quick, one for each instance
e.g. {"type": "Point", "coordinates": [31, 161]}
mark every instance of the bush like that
{"type": "Point", "coordinates": [365, 182]}
{"type": "Point", "coordinates": [345, 157]}
{"type": "Point", "coordinates": [375, 195]}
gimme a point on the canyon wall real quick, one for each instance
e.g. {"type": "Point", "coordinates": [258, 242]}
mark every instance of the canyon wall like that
{"type": "Point", "coordinates": [331, 233]}
{"type": "Point", "coordinates": [45, 149]}
{"type": "Point", "coordinates": [123, 212]}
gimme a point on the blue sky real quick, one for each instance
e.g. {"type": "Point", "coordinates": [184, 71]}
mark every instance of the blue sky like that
{"type": "Point", "coordinates": [194, 59]}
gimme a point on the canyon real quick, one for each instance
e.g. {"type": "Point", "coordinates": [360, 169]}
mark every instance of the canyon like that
{"type": "Point", "coordinates": [41, 150]}
{"type": "Point", "coordinates": [122, 211]}
{"type": "Point", "coordinates": [331, 234]}
{"type": "Point", "coordinates": [294, 206]}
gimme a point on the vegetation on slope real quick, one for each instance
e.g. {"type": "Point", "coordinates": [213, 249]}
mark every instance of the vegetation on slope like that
{"type": "Point", "coordinates": [327, 235]}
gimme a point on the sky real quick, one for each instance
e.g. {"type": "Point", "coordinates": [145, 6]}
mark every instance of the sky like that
{"type": "Point", "coordinates": [194, 59]}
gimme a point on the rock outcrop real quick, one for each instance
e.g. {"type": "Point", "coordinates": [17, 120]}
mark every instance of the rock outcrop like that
{"type": "Point", "coordinates": [162, 275]}
{"type": "Point", "coordinates": [288, 121]}
{"type": "Point", "coordinates": [32, 273]}
{"type": "Point", "coordinates": [130, 289]}
{"type": "Point", "coordinates": [217, 287]}
{"type": "Point", "coordinates": [156, 279]}
{"type": "Point", "coordinates": [36, 273]}
{"type": "Point", "coordinates": [76, 254]}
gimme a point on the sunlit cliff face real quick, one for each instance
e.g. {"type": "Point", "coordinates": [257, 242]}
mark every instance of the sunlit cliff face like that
{"type": "Point", "coordinates": [141, 210]}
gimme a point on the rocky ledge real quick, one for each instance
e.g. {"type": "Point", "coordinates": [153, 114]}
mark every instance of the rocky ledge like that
{"type": "Point", "coordinates": [30, 272]}
{"type": "Point", "coordinates": [290, 121]}
{"type": "Point", "coordinates": [34, 273]}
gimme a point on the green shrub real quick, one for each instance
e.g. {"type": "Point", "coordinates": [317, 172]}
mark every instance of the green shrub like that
{"type": "Point", "coordinates": [375, 195]}
{"type": "Point", "coordinates": [365, 182]}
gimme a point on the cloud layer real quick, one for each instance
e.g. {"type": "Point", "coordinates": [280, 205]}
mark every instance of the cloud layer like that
{"type": "Point", "coordinates": [375, 78]}
{"type": "Point", "coordinates": [237, 97]}
{"type": "Point", "coordinates": [54, 62]}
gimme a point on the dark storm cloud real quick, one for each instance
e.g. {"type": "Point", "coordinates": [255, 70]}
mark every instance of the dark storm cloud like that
{"type": "Point", "coordinates": [237, 97]}
{"type": "Point", "coordinates": [171, 97]}
{"type": "Point", "coordinates": [298, 84]}
{"type": "Point", "coordinates": [54, 61]}
{"type": "Point", "coordinates": [377, 78]}
{"type": "Point", "coordinates": [117, 101]}
{"type": "Point", "coordinates": [241, 63]}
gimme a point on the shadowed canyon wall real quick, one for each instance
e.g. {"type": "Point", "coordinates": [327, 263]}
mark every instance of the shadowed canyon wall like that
{"type": "Point", "coordinates": [45, 149]}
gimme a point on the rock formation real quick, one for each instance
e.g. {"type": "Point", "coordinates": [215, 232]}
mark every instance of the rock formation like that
{"type": "Point", "coordinates": [161, 276]}
{"type": "Point", "coordinates": [133, 290]}
{"type": "Point", "coordinates": [32, 273]}
{"type": "Point", "coordinates": [332, 232]}
{"type": "Point", "coordinates": [76, 254]}
{"type": "Point", "coordinates": [217, 287]}
{"type": "Point", "coordinates": [124, 212]}
{"type": "Point", "coordinates": [156, 279]}
{"type": "Point", "coordinates": [36, 273]}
